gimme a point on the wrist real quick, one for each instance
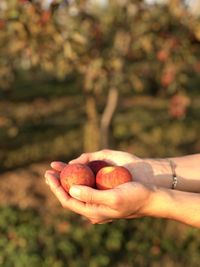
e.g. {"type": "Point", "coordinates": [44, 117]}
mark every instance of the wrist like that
{"type": "Point", "coordinates": [158, 205]}
{"type": "Point", "coordinates": [187, 170]}
{"type": "Point", "coordinates": [161, 172]}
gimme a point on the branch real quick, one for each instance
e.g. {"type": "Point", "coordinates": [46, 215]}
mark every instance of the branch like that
{"type": "Point", "coordinates": [107, 115]}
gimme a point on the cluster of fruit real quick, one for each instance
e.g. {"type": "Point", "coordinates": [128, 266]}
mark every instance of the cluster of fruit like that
{"type": "Point", "coordinates": [98, 174]}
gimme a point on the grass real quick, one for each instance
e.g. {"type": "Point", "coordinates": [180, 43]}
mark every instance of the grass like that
{"type": "Point", "coordinates": [28, 240]}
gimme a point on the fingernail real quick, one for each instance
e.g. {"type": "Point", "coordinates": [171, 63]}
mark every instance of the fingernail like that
{"type": "Point", "coordinates": [75, 192]}
{"type": "Point", "coordinates": [47, 182]}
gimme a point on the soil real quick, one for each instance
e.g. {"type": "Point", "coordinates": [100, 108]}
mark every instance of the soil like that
{"type": "Point", "coordinates": [26, 188]}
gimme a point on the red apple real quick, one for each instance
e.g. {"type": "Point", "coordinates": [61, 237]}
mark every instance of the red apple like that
{"type": "Point", "coordinates": [76, 174]}
{"type": "Point", "coordinates": [112, 176]}
{"type": "Point", "coordinates": [96, 165]}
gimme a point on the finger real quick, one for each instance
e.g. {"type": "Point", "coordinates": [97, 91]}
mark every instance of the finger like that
{"type": "Point", "coordinates": [49, 173]}
{"type": "Point", "coordinates": [101, 215]}
{"type": "Point", "coordinates": [52, 172]}
{"type": "Point", "coordinates": [63, 197]}
{"type": "Point", "coordinates": [83, 158]}
{"type": "Point", "coordinates": [60, 193]}
{"type": "Point", "coordinates": [98, 155]}
{"type": "Point", "coordinates": [57, 189]}
{"type": "Point", "coordinates": [67, 202]}
{"type": "Point", "coordinates": [58, 165]}
{"type": "Point", "coordinates": [93, 212]}
{"type": "Point", "coordinates": [96, 214]}
{"type": "Point", "coordinates": [93, 196]}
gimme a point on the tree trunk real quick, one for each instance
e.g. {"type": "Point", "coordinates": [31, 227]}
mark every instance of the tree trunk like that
{"type": "Point", "coordinates": [91, 129]}
{"type": "Point", "coordinates": [107, 116]}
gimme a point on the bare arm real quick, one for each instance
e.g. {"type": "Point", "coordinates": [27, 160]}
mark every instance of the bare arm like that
{"type": "Point", "coordinates": [187, 169]}
{"type": "Point", "coordinates": [176, 205]}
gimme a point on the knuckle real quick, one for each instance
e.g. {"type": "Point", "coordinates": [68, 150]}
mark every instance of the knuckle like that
{"type": "Point", "coordinates": [94, 221]}
{"type": "Point", "coordinates": [85, 156]}
{"type": "Point", "coordinates": [116, 201]}
{"type": "Point", "coordinates": [56, 189]}
{"type": "Point", "coordinates": [95, 217]}
{"type": "Point", "coordinates": [90, 198]}
{"type": "Point", "coordinates": [63, 204]}
{"type": "Point", "coordinates": [105, 151]}
{"type": "Point", "coordinates": [87, 196]}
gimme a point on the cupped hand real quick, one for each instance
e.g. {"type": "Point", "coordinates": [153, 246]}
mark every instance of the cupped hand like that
{"type": "Point", "coordinates": [129, 200]}
{"type": "Point", "coordinates": [140, 169]}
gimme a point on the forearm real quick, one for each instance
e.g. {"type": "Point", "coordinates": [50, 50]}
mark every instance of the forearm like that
{"type": "Point", "coordinates": [176, 205]}
{"type": "Point", "coordinates": [187, 169]}
{"type": "Point", "coordinates": [188, 172]}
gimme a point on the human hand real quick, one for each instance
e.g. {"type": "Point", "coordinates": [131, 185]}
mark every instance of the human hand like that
{"type": "Point", "coordinates": [129, 200]}
{"type": "Point", "coordinates": [143, 170]}
{"type": "Point", "coordinates": [125, 201]}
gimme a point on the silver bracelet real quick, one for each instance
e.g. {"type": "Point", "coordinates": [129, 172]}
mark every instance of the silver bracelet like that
{"type": "Point", "coordinates": [174, 176]}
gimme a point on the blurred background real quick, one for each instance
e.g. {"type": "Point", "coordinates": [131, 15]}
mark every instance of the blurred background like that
{"type": "Point", "coordinates": [79, 76]}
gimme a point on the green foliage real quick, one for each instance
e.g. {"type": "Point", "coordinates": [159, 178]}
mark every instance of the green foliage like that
{"type": "Point", "coordinates": [35, 128]}
{"type": "Point", "coordinates": [126, 44]}
{"type": "Point", "coordinates": [27, 240]}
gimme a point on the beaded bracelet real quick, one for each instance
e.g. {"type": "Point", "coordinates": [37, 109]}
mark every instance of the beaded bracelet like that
{"type": "Point", "coordinates": [174, 176]}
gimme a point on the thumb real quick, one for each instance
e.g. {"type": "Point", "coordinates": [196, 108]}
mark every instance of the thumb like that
{"type": "Point", "coordinates": [93, 196]}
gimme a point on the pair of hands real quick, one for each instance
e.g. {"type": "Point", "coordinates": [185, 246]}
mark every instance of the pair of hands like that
{"type": "Point", "coordinates": [129, 200]}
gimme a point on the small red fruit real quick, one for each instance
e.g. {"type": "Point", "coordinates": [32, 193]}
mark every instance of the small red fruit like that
{"type": "Point", "coordinates": [162, 55]}
{"type": "Point", "coordinates": [96, 165]}
{"type": "Point", "coordinates": [112, 176]}
{"type": "Point", "coordinates": [76, 174]}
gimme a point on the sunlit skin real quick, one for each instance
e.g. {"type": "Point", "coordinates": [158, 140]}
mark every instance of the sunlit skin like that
{"type": "Point", "coordinates": [150, 193]}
